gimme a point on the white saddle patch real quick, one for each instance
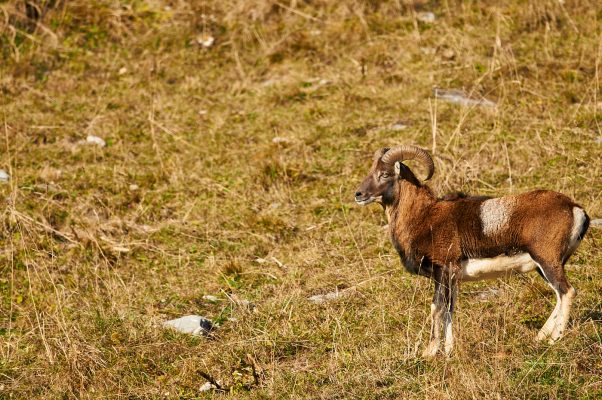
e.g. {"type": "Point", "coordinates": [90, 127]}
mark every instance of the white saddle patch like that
{"type": "Point", "coordinates": [495, 214]}
{"type": "Point", "coordinates": [477, 269]}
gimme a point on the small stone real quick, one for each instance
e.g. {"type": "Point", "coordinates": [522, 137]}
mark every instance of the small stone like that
{"type": "Point", "coordinates": [122, 71]}
{"type": "Point", "coordinates": [147, 228]}
{"type": "Point", "coordinates": [95, 140]}
{"type": "Point", "coordinates": [191, 324]}
{"type": "Point", "coordinates": [321, 298]}
{"type": "Point", "coordinates": [45, 188]}
{"type": "Point", "coordinates": [270, 82]}
{"type": "Point", "coordinates": [448, 54]}
{"type": "Point", "coordinates": [458, 97]}
{"type": "Point", "coordinates": [398, 126]}
{"type": "Point", "coordinates": [207, 386]}
{"type": "Point", "coordinates": [488, 294]}
{"type": "Point", "coordinates": [211, 298]}
{"type": "Point", "coordinates": [281, 140]}
{"type": "Point", "coordinates": [120, 249]}
{"type": "Point", "coordinates": [242, 303]}
{"type": "Point", "coordinates": [134, 187]}
{"type": "Point", "coordinates": [427, 17]}
{"type": "Point", "coordinates": [4, 176]}
{"type": "Point", "coordinates": [246, 304]}
{"type": "Point", "coordinates": [205, 40]}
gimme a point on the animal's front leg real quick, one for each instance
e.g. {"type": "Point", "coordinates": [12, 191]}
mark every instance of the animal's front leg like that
{"type": "Point", "coordinates": [449, 310]}
{"type": "Point", "coordinates": [437, 310]}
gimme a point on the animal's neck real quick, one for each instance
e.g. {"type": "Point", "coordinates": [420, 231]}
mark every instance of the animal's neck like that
{"type": "Point", "coordinates": [409, 207]}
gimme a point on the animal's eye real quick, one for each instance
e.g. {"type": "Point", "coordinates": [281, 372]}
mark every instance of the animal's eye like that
{"type": "Point", "coordinates": [384, 175]}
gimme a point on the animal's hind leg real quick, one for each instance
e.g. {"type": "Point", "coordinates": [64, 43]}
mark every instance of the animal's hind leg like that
{"type": "Point", "coordinates": [556, 324]}
{"type": "Point", "coordinates": [562, 318]}
{"type": "Point", "coordinates": [548, 327]}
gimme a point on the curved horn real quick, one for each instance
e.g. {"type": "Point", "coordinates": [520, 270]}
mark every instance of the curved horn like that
{"type": "Point", "coordinates": [409, 152]}
{"type": "Point", "coordinates": [379, 153]}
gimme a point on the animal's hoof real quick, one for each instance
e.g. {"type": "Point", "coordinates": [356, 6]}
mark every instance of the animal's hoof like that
{"type": "Point", "coordinates": [430, 351]}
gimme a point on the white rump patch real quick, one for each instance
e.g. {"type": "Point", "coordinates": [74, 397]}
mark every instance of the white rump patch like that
{"type": "Point", "coordinates": [495, 214]}
{"type": "Point", "coordinates": [477, 269]}
{"type": "Point", "coordinates": [578, 220]}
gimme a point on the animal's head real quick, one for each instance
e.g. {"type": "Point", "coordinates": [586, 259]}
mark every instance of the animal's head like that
{"type": "Point", "coordinates": [388, 170]}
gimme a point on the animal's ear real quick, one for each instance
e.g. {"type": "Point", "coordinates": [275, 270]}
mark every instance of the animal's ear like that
{"type": "Point", "coordinates": [397, 168]}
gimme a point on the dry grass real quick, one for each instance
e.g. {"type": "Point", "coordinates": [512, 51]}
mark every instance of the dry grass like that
{"type": "Point", "coordinates": [193, 128]}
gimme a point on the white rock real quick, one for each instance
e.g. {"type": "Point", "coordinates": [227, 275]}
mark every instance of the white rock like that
{"type": "Point", "coordinates": [4, 176]}
{"type": "Point", "coordinates": [91, 139]}
{"type": "Point", "coordinates": [205, 40]}
{"type": "Point", "coordinates": [207, 386]}
{"type": "Point", "coordinates": [123, 71]}
{"type": "Point", "coordinates": [398, 126]}
{"type": "Point", "coordinates": [211, 298]}
{"type": "Point", "coordinates": [458, 97]}
{"type": "Point", "coordinates": [120, 249]}
{"type": "Point", "coordinates": [281, 140]}
{"type": "Point", "coordinates": [270, 82]}
{"type": "Point", "coordinates": [427, 17]}
{"type": "Point", "coordinates": [321, 298]}
{"type": "Point", "coordinates": [245, 304]}
{"type": "Point", "coordinates": [488, 294]}
{"type": "Point", "coordinates": [134, 187]}
{"type": "Point", "coordinates": [191, 324]}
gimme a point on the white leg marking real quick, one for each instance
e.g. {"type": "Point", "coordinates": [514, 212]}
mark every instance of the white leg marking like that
{"type": "Point", "coordinates": [562, 319]}
{"type": "Point", "coordinates": [449, 335]}
{"type": "Point", "coordinates": [550, 324]}
{"type": "Point", "coordinates": [548, 327]}
{"type": "Point", "coordinates": [433, 346]}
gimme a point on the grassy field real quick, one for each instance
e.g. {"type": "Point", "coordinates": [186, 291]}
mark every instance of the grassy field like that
{"type": "Point", "coordinates": [236, 134]}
